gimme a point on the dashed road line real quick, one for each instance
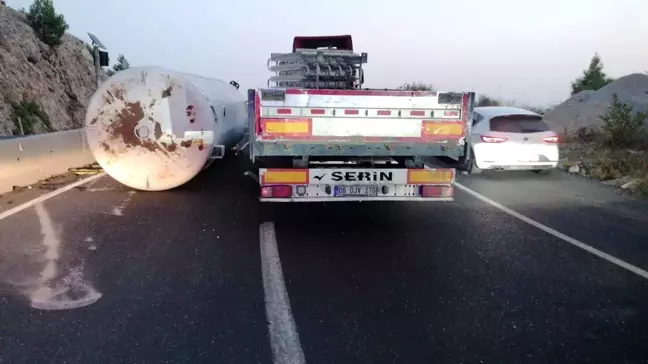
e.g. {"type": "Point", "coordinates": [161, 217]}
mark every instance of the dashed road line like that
{"type": "Point", "coordinates": [284, 338]}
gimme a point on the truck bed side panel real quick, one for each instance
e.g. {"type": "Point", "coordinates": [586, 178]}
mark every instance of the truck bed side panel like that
{"type": "Point", "coordinates": [358, 122]}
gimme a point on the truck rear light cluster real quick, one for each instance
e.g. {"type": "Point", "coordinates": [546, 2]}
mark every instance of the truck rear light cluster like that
{"type": "Point", "coordinates": [436, 191]}
{"type": "Point", "coordinates": [279, 191]}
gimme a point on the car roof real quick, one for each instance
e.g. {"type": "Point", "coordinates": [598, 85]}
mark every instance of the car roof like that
{"type": "Point", "coordinates": [493, 111]}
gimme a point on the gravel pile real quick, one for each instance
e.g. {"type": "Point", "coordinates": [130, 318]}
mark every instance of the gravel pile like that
{"type": "Point", "coordinates": [586, 107]}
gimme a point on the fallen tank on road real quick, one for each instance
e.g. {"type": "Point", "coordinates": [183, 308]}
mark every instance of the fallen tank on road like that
{"type": "Point", "coordinates": [154, 129]}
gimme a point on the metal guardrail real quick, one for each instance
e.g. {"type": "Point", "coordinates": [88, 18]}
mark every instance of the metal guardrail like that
{"type": "Point", "coordinates": [26, 160]}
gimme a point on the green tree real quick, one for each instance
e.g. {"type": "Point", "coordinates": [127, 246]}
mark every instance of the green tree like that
{"type": "Point", "coordinates": [122, 64]}
{"type": "Point", "coordinates": [593, 77]}
{"type": "Point", "coordinates": [48, 25]}
{"type": "Point", "coordinates": [622, 126]}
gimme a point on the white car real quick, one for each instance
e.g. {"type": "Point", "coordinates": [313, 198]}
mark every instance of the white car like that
{"type": "Point", "coordinates": [510, 138]}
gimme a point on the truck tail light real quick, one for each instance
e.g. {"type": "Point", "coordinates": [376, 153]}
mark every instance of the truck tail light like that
{"type": "Point", "coordinates": [279, 191]}
{"type": "Point", "coordinates": [436, 191]}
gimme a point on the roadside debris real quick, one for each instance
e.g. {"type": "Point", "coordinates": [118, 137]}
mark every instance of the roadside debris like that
{"type": "Point", "coordinates": [87, 170]}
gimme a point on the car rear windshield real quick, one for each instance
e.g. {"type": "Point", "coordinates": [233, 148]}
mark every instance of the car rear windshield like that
{"type": "Point", "coordinates": [518, 124]}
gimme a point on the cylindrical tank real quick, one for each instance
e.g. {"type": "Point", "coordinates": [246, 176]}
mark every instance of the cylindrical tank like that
{"type": "Point", "coordinates": [154, 129]}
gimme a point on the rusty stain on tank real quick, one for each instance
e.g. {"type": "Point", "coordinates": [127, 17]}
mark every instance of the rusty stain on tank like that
{"type": "Point", "coordinates": [166, 93]}
{"type": "Point", "coordinates": [191, 113]}
{"type": "Point", "coordinates": [186, 143]}
{"type": "Point", "coordinates": [158, 131]}
{"type": "Point", "coordinates": [126, 121]}
{"type": "Point", "coordinates": [119, 93]}
{"type": "Point", "coordinates": [151, 146]}
{"type": "Point", "coordinates": [170, 147]}
{"type": "Point", "coordinates": [106, 147]}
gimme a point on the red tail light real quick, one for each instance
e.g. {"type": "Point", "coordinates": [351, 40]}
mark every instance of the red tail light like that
{"type": "Point", "coordinates": [552, 140]}
{"type": "Point", "coordinates": [280, 191]}
{"type": "Point", "coordinates": [436, 191]}
{"type": "Point", "coordinates": [489, 139]}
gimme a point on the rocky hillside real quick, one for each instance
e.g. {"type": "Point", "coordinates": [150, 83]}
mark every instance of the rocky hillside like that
{"type": "Point", "coordinates": [53, 83]}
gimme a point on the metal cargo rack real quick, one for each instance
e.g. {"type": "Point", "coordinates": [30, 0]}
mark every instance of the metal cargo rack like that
{"type": "Point", "coordinates": [317, 68]}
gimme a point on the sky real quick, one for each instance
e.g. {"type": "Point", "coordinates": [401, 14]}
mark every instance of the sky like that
{"type": "Point", "coordinates": [523, 50]}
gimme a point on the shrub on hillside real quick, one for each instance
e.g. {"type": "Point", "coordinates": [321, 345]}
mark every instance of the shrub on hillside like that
{"type": "Point", "coordinates": [417, 86]}
{"type": "Point", "coordinates": [26, 115]}
{"type": "Point", "coordinates": [49, 26]}
{"type": "Point", "coordinates": [487, 101]}
{"type": "Point", "coordinates": [621, 126]}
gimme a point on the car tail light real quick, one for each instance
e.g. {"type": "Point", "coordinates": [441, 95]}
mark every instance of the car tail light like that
{"type": "Point", "coordinates": [436, 191]}
{"type": "Point", "coordinates": [489, 139]}
{"type": "Point", "coordinates": [280, 191]}
{"type": "Point", "coordinates": [552, 140]}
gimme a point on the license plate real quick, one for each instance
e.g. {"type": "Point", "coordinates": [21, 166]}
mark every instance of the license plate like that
{"type": "Point", "coordinates": [365, 191]}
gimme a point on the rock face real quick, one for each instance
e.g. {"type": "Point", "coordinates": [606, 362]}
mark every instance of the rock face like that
{"type": "Point", "coordinates": [60, 79]}
{"type": "Point", "coordinates": [586, 107]}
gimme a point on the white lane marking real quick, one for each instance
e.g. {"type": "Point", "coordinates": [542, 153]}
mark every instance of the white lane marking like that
{"type": "Point", "coordinates": [47, 196]}
{"type": "Point", "coordinates": [284, 338]}
{"type": "Point", "coordinates": [101, 189]}
{"type": "Point", "coordinates": [603, 255]}
{"type": "Point", "coordinates": [119, 210]}
{"type": "Point", "coordinates": [92, 183]}
{"type": "Point", "coordinates": [50, 291]}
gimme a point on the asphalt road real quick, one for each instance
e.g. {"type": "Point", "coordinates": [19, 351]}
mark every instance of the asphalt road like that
{"type": "Point", "coordinates": [178, 276]}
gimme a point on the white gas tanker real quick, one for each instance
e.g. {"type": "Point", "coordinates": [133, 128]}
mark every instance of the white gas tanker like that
{"type": "Point", "coordinates": [154, 129]}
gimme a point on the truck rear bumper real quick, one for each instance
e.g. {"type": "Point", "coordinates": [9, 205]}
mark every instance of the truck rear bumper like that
{"type": "Point", "coordinates": [356, 184]}
{"type": "Point", "coordinates": [374, 149]}
{"type": "Point", "coordinates": [358, 199]}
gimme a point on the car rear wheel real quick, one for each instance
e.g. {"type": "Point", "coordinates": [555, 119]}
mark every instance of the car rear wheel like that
{"type": "Point", "coordinates": [471, 167]}
{"type": "Point", "coordinates": [542, 171]}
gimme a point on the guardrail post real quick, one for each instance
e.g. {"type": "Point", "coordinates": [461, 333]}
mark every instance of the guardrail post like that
{"type": "Point", "coordinates": [22, 131]}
